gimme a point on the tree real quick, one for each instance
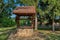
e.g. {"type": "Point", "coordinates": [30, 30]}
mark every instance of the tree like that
{"type": "Point", "coordinates": [50, 7]}
{"type": "Point", "coordinates": [5, 13]}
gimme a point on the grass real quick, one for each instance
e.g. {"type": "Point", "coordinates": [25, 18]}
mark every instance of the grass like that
{"type": "Point", "coordinates": [4, 32]}
{"type": "Point", "coordinates": [3, 36]}
{"type": "Point", "coordinates": [54, 37]}
{"type": "Point", "coordinates": [51, 35]}
{"type": "Point", "coordinates": [6, 28]}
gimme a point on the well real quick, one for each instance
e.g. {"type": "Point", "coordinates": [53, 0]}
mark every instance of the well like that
{"type": "Point", "coordinates": [25, 11]}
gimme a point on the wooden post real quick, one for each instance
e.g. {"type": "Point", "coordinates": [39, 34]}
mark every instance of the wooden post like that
{"type": "Point", "coordinates": [17, 21]}
{"type": "Point", "coordinates": [35, 21]}
{"type": "Point", "coordinates": [32, 21]}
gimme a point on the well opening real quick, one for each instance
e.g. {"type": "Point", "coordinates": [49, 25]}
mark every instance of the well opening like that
{"type": "Point", "coordinates": [26, 22]}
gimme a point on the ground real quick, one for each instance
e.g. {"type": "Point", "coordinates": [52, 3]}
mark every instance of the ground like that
{"type": "Point", "coordinates": [49, 35]}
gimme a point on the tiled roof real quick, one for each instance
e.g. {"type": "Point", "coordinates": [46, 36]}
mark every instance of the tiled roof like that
{"type": "Point", "coordinates": [25, 10]}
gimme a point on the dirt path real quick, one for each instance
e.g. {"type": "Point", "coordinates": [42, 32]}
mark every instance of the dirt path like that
{"type": "Point", "coordinates": [36, 36]}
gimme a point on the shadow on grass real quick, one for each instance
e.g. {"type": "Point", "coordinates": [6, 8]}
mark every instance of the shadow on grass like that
{"type": "Point", "coordinates": [53, 37]}
{"type": "Point", "coordinates": [6, 34]}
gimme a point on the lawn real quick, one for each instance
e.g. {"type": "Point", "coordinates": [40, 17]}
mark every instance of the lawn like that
{"type": "Point", "coordinates": [51, 35]}
{"type": "Point", "coordinates": [4, 32]}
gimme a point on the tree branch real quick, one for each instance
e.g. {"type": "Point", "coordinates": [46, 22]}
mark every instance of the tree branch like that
{"type": "Point", "coordinates": [3, 8]}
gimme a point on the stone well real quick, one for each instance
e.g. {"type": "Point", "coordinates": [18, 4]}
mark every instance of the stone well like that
{"type": "Point", "coordinates": [24, 32]}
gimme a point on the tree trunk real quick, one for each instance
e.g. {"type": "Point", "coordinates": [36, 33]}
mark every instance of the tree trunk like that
{"type": "Point", "coordinates": [53, 27]}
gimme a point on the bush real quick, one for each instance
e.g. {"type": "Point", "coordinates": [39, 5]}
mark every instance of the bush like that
{"type": "Point", "coordinates": [8, 23]}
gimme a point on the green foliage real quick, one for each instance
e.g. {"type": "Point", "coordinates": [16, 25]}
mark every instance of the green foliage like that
{"type": "Point", "coordinates": [5, 13]}
{"type": "Point", "coordinates": [43, 7]}
{"type": "Point", "coordinates": [8, 23]}
{"type": "Point", "coordinates": [29, 2]}
{"type": "Point", "coordinates": [23, 23]}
